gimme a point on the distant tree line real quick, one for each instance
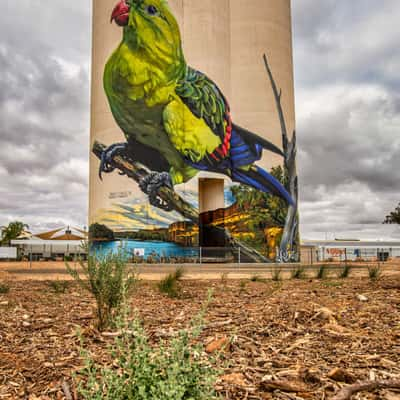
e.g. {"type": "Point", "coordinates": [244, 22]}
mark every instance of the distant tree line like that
{"type": "Point", "coordinates": [145, 235]}
{"type": "Point", "coordinates": [100, 232]}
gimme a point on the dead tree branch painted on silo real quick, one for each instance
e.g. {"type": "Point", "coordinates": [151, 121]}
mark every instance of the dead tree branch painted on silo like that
{"type": "Point", "coordinates": [289, 247]}
{"type": "Point", "coordinates": [138, 172]}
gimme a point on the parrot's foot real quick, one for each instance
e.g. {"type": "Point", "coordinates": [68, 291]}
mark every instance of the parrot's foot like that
{"type": "Point", "coordinates": [151, 185]}
{"type": "Point", "coordinates": [107, 157]}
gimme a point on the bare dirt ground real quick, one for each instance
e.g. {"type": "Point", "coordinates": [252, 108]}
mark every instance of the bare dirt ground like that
{"type": "Point", "coordinates": [52, 270]}
{"type": "Point", "coordinates": [286, 338]}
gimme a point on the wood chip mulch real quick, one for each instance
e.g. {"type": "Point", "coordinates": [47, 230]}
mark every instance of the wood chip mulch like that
{"type": "Point", "coordinates": [297, 339]}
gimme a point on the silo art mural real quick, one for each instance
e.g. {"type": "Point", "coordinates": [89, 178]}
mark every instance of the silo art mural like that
{"type": "Point", "coordinates": [162, 120]}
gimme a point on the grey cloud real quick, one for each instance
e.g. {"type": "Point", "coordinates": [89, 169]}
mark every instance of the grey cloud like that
{"type": "Point", "coordinates": [348, 115]}
{"type": "Point", "coordinates": [44, 111]}
{"type": "Point", "coordinates": [346, 41]}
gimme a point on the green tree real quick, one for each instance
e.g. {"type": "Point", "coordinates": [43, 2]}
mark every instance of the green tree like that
{"type": "Point", "coordinates": [263, 208]}
{"type": "Point", "coordinates": [102, 232]}
{"type": "Point", "coordinates": [12, 231]}
{"type": "Point", "coordinates": [393, 217]}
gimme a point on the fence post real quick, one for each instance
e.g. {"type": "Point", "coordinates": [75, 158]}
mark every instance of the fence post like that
{"type": "Point", "coordinates": [200, 255]}
{"type": "Point", "coordinates": [239, 256]}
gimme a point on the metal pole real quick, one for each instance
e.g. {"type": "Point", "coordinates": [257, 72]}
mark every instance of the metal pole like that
{"type": "Point", "coordinates": [200, 255]}
{"type": "Point", "coordinates": [30, 258]}
{"type": "Point", "coordinates": [239, 256]}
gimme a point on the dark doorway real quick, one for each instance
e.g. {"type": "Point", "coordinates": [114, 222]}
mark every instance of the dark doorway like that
{"type": "Point", "coordinates": [212, 208]}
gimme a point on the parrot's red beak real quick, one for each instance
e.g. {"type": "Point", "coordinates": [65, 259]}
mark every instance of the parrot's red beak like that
{"type": "Point", "coordinates": [120, 14]}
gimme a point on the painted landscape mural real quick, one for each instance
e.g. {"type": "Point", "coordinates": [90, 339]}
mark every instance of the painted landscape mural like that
{"type": "Point", "coordinates": [177, 123]}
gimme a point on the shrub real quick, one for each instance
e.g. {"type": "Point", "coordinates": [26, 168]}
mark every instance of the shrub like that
{"type": "Point", "coordinates": [169, 285]}
{"type": "Point", "coordinates": [59, 286]}
{"type": "Point", "coordinates": [171, 371]}
{"type": "Point", "coordinates": [4, 289]}
{"type": "Point", "coordinates": [107, 278]}
{"type": "Point", "coordinates": [322, 272]}
{"type": "Point", "coordinates": [374, 272]}
{"type": "Point", "coordinates": [68, 258]}
{"type": "Point", "coordinates": [345, 272]}
{"type": "Point", "coordinates": [298, 272]}
{"type": "Point", "coordinates": [276, 274]}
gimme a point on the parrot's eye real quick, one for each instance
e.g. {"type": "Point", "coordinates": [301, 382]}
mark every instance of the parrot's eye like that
{"type": "Point", "coordinates": [152, 10]}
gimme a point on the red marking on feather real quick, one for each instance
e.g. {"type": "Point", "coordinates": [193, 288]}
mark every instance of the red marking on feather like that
{"type": "Point", "coordinates": [223, 149]}
{"type": "Point", "coordinates": [220, 151]}
{"type": "Point", "coordinates": [228, 132]}
{"type": "Point", "coordinates": [214, 157]}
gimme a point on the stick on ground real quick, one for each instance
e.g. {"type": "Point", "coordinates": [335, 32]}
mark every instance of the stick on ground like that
{"type": "Point", "coordinates": [367, 386]}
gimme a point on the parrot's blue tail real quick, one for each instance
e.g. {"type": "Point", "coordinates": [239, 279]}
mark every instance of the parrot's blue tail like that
{"type": "Point", "coordinates": [246, 148]}
{"type": "Point", "coordinates": [245, 151]}
{"type": "Point", "coordinates": [260, 179]}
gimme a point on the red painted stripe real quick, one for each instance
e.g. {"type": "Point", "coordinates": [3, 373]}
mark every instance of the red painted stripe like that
{"type": "Point", "coordinates": [214, 157]}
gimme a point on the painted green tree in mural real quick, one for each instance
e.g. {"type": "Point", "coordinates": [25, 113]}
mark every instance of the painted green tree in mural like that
{"type": "Point", "coordinates": [100, 232]}
{"type": "Point", "coordinates": [264, 209]}
{"type": "Point", "coordinates": [261, 210]}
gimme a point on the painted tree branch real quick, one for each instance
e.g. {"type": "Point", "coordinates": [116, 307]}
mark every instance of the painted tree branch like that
{"type": "Point", "coordinates": [137, 172]}
{"type": "Point", "coordinates": [348, 391]}
{"type": "Point", "coordinates": [288, 250]}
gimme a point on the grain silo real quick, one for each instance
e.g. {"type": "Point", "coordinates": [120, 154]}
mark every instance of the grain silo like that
{"type": "Point", "coordinates": [186, 129]}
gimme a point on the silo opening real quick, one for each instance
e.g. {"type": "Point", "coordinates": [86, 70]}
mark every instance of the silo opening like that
{"type": "Point", "coordinates": [212, 213]}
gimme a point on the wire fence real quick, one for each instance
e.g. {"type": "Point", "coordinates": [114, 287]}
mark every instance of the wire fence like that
{"type": "Point", "coordinates": [168, 253]}
{"type": "Point", "coordinates": [314, 255]}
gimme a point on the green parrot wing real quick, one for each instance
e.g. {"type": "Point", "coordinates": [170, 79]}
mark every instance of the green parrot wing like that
{"type": "Point", "coordinates": [205, 100]}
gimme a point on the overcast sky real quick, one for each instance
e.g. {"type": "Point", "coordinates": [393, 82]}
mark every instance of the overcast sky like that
{"type": "Point", "coordinates": [347, 67]}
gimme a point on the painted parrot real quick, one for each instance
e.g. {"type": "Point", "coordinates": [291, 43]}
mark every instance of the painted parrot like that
{"type": "Point", "coordinates": [175, 119]}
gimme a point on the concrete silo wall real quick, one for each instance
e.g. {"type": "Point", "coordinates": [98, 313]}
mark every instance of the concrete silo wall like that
{"type": "Point", "coordinates": [226, 40]}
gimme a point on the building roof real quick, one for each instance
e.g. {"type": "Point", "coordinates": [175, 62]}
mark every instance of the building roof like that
{"type": "Point", "coordinates": [25, 235]}
{"type": "Point", "coordinates": [36, 242]}
{"type": "Point", "coordinates": [377, 244]}
{"type": "Point", "coordinates": [64, 233]}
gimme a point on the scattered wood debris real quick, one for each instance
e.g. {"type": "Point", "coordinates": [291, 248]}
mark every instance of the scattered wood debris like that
{"type": "Point", "coordinates": [347, 392]}
{"type": "Point", "coordinates": [287, 340]}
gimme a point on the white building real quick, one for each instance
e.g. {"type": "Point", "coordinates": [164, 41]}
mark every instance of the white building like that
{"type": "Point", "coordinates": [55, 244]}
{"type": "Point", "coordinates": [351, 250]}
